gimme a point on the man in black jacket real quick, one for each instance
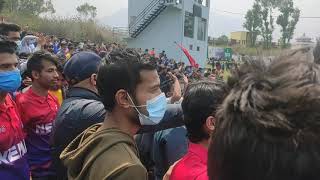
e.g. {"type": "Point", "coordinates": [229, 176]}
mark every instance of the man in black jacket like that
{"type": "Point", "coordinates": [83, 108]}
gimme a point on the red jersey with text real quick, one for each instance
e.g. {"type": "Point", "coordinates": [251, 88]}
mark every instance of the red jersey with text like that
{"type": "Point", "coordinates": [13, 162]}
{"type": "Point", "coordinates": [38, 114]}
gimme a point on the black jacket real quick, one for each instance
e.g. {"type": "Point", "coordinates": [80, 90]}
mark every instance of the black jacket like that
{"type": "Point", "coordinates": [83, 108]}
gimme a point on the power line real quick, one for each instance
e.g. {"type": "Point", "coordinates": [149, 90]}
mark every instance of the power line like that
{"type": "Point", "coordinates": [236, 13]}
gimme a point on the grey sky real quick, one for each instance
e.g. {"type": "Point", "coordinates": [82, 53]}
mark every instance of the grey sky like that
{"type": "Point", "coordinates": [220, 22]}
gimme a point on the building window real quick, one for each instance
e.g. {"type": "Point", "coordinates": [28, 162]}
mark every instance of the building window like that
{"type": "Point", "coordinates": [191, 47]}
{"type": "Point", "coordinates": [198, 48]}
{"type": "Point", "coordinates": [189, 25]}
{"type": "Point", "coordinates": [202, 28]}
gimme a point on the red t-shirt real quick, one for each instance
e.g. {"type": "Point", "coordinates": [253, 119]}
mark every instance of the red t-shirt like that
{"type": "Point", "coordinates": [152, 53]}
{"type": "Point", "coordinates": [193, 165]}
{"type": "Point", "coordinates": [38, 114]}
{"type": "Point", "coordinates": [13, 162]}
{"type": "Point", "coordinates": [10, 125]}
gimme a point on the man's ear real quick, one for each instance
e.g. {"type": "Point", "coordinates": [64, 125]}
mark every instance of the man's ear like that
{"type": "Point", "coordinates": [35, 75]}
{"type": "Point", "coordinates": [210, 123]}
{"type": "Point", "coordinates": [122, 99]}
{"type": "Point", "coordinates": [93, 79]}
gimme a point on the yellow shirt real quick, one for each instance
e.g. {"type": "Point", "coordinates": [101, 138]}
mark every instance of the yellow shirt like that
{"type": "Point", "coordinates": [58, 95]}
{"type": "Point", "coordinates": [68, 56]}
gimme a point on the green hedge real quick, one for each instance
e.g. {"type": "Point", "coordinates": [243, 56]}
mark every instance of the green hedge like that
{"type": "Point", "coordinates": [72, 28]}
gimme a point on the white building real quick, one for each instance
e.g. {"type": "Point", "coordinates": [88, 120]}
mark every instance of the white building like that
{"type": "Point", "coordinates": [303, 41]}
{"type": "Point", "coordinates": [160, 23]}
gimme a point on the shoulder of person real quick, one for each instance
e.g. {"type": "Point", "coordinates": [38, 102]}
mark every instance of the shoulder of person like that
{"type": "Point", "coordinates": [110, 165]}
{"type": "Point", "coordinates": [129, 171]}
{"type": "Point", "coordinates": [91, 108]}
{"type": "Point", "coordinates": [53, 97]}
{"type": "Point", "coordinates": [20, 98]}
{"type": "Point", "coordinates": [82, 109]}
{"type": "Point", "coordinates": [85, 105]}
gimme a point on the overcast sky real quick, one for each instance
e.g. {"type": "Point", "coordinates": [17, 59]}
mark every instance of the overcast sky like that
{"type": "Point", "coordinates": [220, 22]}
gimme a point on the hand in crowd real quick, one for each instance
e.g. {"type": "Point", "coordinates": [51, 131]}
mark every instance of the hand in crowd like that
{"type": "Point", "coordinates": [173, 77]}
{"type": "Point", "coordinates": [185, 79]}
{"type": "Point", "coordinates": [42, 40]}
{"type": "Point", "coordinates": [27, 81]}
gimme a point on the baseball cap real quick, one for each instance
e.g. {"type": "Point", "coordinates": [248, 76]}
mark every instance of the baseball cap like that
{"type": "Point", "coordinates": [81, 66]}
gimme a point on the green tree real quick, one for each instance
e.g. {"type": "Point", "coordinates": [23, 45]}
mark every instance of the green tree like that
{"type": "Point", "coordinates": [267, 25]}
{"type": "Point", "coordinates": [2, 5]}
{"type": "Point", "coordinates": [87, 11]}
{"type": "Point", "coordinates": [32, 7]}
{"type": "Point", "coordinates": [288, 19]}
{"type": "Point", "coordinates": [222, 40]}
{"type": "Point", "coordinates": [253, 23]}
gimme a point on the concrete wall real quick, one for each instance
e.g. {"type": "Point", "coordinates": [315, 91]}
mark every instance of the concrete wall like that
{"type": "Point", "coordinates": [167, 28]}
{"type": "Point", "coordinates": [200, 56]}
{"type": "Point", "coordinates": [162, 33]}
{"type": "Point", "coordinates": [137, 6]}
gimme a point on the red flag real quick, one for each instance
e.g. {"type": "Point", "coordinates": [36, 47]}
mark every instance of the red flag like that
{"type": "Point", "coordinates": [191, 59]}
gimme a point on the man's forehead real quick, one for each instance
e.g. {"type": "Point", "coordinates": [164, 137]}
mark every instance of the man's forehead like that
{"type": "Point", "coordinates": [6, 58]}
{"type": "Point", "coordinates": [13, 33]}
{"type": "Point", "coordinates": [14, 36]}
{"type": "Point", "coordinates": [48, 63]}
{"type": "Point", "coordinates": [150, 76]}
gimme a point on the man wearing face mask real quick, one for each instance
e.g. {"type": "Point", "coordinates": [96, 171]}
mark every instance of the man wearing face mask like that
{"type": "Point", "coordinates": [12, 32]}
{"type": "Point", "coordinates": [130, 92]}
{"type": "Point", "coordinates": [13, 162]}
{"type": "Point", "coordinates": [83, 107]}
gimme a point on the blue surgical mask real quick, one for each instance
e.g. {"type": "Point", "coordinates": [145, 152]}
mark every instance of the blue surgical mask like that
{"type": "Point", "coordinates": [10, 81]}
{"type": "Point", "coordinates": [156, 108]}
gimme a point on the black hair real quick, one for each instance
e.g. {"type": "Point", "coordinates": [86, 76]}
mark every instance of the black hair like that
{"type": "Point", "coordinates": [8, 47]}
{"type": "Point", "coordinates": [268, 126]}
{"type": "Point", "coordinates": [200, 101]}
{"type": "Point", "coordinates": [35, 61]}
{"type": "Point", "coordinates": [5, 28]}
{"type": "Point", "coordinates": [123, 72]}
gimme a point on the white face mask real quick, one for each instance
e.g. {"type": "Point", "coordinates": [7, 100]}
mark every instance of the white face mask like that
{"type": "Point", "coordinates": [156, 108]}
{"type": "Point", "coordinates": [19, 45]}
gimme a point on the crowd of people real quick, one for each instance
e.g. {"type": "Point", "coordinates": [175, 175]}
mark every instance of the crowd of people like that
{"type": "Point", "coordinates": [84, 111]}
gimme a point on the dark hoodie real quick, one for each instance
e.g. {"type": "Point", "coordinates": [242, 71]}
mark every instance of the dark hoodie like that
{"type": "Point", "coordinates": [103, 154]}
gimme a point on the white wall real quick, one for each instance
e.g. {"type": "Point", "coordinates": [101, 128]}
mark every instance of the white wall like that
{"type": "Point", "coordinates": [162, 33]}
{"type": "Point", "coordinates": [199, 56]}
{"type": "Point", "coordinates": [137, 6]}
{"type": "Point", "coordinates": [167, 28]}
